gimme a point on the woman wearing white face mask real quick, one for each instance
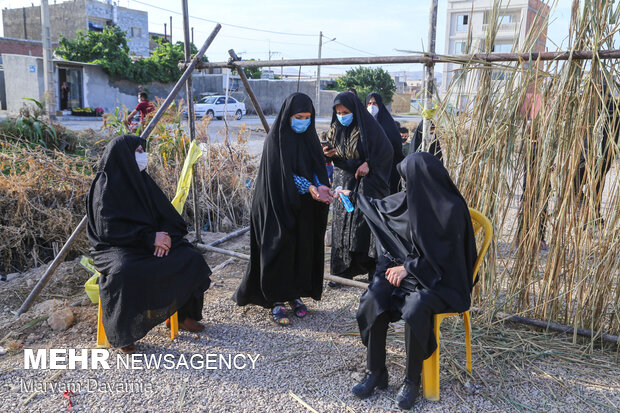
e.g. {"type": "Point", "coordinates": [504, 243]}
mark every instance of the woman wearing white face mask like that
{"type": "Point", "coordinates": [362, 157]}
{"type": "Point", "coordinates": [375, 106]}
{"type": "Point", "coordinates": [148, 269]}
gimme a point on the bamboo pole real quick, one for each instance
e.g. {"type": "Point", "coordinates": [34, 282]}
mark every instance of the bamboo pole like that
{"type": "Point", "coordinates": [234, 59]}
{"type": "Point", "coordinates": [430, 75]}
{"type": "Point", "coordinates": [65, 249]}
{"type": "Point", "coordinates": [190, 115]}
{"type": "Point", "coordinates": [459, 59]}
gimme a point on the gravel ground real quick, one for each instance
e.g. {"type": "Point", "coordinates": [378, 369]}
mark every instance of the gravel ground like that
{"type": "Point", "coordinates": [308, 366]}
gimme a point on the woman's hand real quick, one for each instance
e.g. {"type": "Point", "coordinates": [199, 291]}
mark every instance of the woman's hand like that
{"type": "Point", "coordinates": [363, 170]}
{"type": "Point", "coordinates": [329, 152]}
{"type": "Point", "coordinates": [321, 194]}
{"type": "Point", "coordinates": [345, 192]}
{"type": "Point", "coordinates": [162, 244]}
{"type": "Point", "coordinates": [395, 275]}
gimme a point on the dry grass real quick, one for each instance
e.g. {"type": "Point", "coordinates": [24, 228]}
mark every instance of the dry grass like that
{"type": "Point", "coordinates": [488, 147]}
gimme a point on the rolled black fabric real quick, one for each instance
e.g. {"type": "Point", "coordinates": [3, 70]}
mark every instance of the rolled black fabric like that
{"type": "Point", "coordinates": [353, 250]}
{"type": "Point", "coordinates": [393, 134]}
{"type": "Point", "coordinates": [429, 231]}
{"type": "Point", "coordinates": [125, 209]}
{"type": "Point", "coordinates": [286, 229]}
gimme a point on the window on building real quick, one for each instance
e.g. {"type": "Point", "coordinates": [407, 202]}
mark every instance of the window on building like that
{"type": "Point", "coordinates": [95, 25]}
{"type": "Point", "coordinates": [502, 47]}
{"type": "Point", "coordinates": [136, 32]}
{"type": "Point", "coordinates": [460, 47]}
{"type": "Point", "coordinates": [462, 22]}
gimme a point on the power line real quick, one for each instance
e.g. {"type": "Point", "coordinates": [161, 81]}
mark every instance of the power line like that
{"type": "Point", "coordinates": [353, 48]}
{"type": "Point", "coordinates": [227, 24]}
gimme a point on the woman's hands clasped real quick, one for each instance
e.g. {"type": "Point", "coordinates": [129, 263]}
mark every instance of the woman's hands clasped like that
{"type": "Point", "coordinates": [162, 244]}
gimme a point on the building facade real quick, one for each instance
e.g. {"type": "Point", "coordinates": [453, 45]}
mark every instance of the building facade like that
{"type": "Point", "coordinates": [68, 17]}
{"type": "Point", "coordinates": [522, 27]}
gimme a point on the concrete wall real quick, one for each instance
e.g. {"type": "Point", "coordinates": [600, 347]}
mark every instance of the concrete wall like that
{"type": "Point", "coordinates": [401, 103]}
{"type": "Point", "coordinates": [20, 82]}
{"type": "Point", "coordinates": [65, 18]}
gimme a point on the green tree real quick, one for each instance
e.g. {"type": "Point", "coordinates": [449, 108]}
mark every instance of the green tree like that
{"type": "Point", "coordinates": [251, 72]}
{"type": "Point", "coordinates": [109, 49]}
{"type": "Point", "coordinates": [366, 80]}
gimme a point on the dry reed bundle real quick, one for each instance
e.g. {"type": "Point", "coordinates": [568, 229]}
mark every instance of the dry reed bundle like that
{"type": "Point", "coordinates": [42, 199]}
{"type": "Point", "coordinates": [553, 126]}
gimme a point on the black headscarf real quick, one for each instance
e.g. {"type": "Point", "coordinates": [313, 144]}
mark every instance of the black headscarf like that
{"type": "Point", "coordinates": [416, 142]}
{"type": "Point", "coordinates": [285, 153]}
{"type": "Point", "coordinates": [125, 206]}
{"type": "Point", "coordinates": [389, 126]}
{"type": "Point", "coordinates": [276, 209]}
{"type": "Point", "coordinates": [428, 229]}
{"type": "Point", "coordinates": [375, 147]}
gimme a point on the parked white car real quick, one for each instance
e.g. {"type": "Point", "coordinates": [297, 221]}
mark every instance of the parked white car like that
{"type": "Point", "coordinates": [213, 106]}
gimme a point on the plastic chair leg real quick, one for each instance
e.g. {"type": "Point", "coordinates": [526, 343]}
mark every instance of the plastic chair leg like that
{"type": "Point", "coordinates": [102, 339]}
{"type": "Point", "coordinates": [467, 323]}
{"type": "Point", "coordinates": [174, 326]}
{"type": "Point", "coordinates": [430, 369]}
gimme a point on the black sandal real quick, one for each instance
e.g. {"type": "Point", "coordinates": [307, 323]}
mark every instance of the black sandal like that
{"type": "Point", "coordinates": [299, 308]}
{"type": "Point", "coordinates": [279, 316]}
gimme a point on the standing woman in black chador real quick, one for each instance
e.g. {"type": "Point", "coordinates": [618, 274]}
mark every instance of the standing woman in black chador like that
{"type": "Point", "coordinates": [289, 216]}
{"type": "Point", "coordinates": [148, 269]}
{"type": "Point", "coordinates": [376, 107]}
{"type": "Point", "coordinates": [362, 157]}
{"type": "Point", "coordinates": [428, 252]}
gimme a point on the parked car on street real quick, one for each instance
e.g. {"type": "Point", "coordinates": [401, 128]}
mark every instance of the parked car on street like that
{"type": "Point", "coordinates": [213, 106]}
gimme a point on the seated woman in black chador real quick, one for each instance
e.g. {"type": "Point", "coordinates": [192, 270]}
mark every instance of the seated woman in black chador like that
{"type": "Point", "coordinates": [289, 216]}
{"type": "Point", "coordinates": [427, 254]}
{"type": "Point", "coordinates": [148, 270]}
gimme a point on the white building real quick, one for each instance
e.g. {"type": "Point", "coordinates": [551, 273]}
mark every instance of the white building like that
{"type": "Point", "coordinates": [467, 18]}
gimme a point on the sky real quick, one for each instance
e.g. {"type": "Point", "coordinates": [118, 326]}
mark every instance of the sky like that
{"type": "Point", "coordinates": [360, 27]}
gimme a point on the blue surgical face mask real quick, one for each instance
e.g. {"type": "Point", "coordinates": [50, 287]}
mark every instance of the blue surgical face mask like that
{"type": "Point", "coordinates": [345, 120]}
{"type": "Point", "coordinates": [300, 125]}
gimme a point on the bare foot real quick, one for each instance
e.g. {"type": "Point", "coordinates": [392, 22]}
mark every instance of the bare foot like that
{"type": "Point", "coordinates": [191, 325]}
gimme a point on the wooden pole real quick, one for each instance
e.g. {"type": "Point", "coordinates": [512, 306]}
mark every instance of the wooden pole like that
{"type": "Point", "coordinates": [234, 59]}
{"type": "Point", "coordinates": [459, 59]}
{"type": "Point", "coordinates": [430, 75]}
{"type": "Point", "coordinates": [190, 114]}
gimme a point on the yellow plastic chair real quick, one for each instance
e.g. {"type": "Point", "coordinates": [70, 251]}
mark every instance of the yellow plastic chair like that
{"type": "Point", "coordinates": [430, 368]}
{"type": "Point", "coordinates": [178, 202]}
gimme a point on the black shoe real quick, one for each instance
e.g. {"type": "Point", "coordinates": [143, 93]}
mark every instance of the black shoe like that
{"type": "Point", "coordinates": [334, 284]}
{"type": "Point", "coordinates": [369, 382]}
{"type": "Point", "coordinates": [407, 394]}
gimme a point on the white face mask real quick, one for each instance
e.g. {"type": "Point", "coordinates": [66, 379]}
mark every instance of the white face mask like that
{"type": "Point", "coordinates": [142, 159]}
{"type": "Point", "coordinates": [373, 110]}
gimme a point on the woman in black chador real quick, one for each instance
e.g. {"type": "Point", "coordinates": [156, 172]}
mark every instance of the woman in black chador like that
{"type": "Point", "coordinates": [427, 254]}
{"type": "Point", "coordinates": [362, 157]}
{"type": "Point", "coordinates": [289, 216]}
{"type": "Point", "coordinates": [148, 270]}
{"type": "Point", "coordinates": [374, 104]}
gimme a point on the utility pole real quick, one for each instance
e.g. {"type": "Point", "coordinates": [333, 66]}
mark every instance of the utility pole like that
{"type": "Point", "coordinates": [430, 77]}
{"type": "Point", "coordinates": [48, 63]}
{"type": "Point", "coordinates": [318, 78]}
{"type": "Point", "coordinates": [192, 35]}
{"type": "Point", "coordinates": [165, 33]}
{"type": "Point", "coordinates": [171, 29]}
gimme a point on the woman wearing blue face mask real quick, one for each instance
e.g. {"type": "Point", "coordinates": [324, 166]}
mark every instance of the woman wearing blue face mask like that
{"type": "Point", "coordinates": [362, 156]}
{"type": "Point", "coordinates": [289, 216]}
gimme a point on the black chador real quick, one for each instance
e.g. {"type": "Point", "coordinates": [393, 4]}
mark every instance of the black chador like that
{"type": "Point", "coordinates": [428, 231]}
{"type": "Point", "coordinates": [138, 290]}
{"type": "Point", "coordinates": [287, 228]}
{"type": "Point", "coordinates": [363, 140]}
{"type": "Point", "coordinates": [393, 134]}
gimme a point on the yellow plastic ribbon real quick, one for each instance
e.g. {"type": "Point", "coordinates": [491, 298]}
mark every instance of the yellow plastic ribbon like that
{"type": "Point", "coordinates": [185, 180]}
{"type": "Point", "coordinates": [429, 113]}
